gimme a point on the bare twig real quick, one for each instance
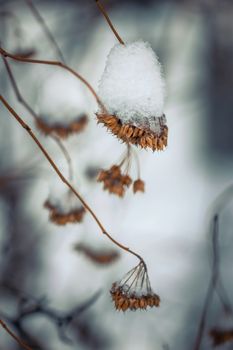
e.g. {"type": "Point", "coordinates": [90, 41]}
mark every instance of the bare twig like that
{"type": "Point", "coordinates": [46, 29]}
{"type": "Point", "coordinates": [211, 287]}
{"type": "Point", "coordinates": [64, 180]}
{"type": "Point", "coordinates": [19, 341]}
{"type": "Point", "coordinates": [109, 22]}
{"type": "Point", "coordinates": [58, 64]}
{"type": "Point", "coordinates": [35, 116]}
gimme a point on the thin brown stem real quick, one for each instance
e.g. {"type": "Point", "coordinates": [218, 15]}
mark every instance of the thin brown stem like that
{"type": "Point", "coordinates": [58, 64]}
{"type": "Point", "coordinates": [16, 89]}
{"type": "Point", "coordinates": [19, 341]}
{"type": "Point", "coordinates": [35, 116]}
{"type": "Point", "coordinates": [46, 29]}
{"type": "Point", "coordinates": [109, 22]}
{"type": "Point", "coordinates": [64, 180]}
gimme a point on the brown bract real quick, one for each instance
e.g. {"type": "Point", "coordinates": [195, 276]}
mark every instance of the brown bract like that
{"type": "Point", "coordinates": [101, 257]}
{"type": "Point", "coordinates": [221, 336]}
{"type": "Point", "coordinates": [128, 133]}
{"type": "Point", "coordinates": [114, 181]}
{"type": "Point", "coordinates": [138, 186]}
{"type": "Point", "coordinates": [61, 130]}
{"type": "Point", "coordinates": [124, 301]}
{"type": "Point", "coordinates": [62, 218]}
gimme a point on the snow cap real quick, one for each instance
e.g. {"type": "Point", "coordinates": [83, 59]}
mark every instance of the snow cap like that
{"type": "Point", "coordinates": [132, 85]}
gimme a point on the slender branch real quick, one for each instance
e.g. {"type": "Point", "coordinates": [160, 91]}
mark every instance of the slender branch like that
{"type": "Point", "coordinates": [16, 89]}
{"type": "Point", "coordinates": [109, 22]}
{"type": "Point", "coordinates": [58, 64]}
{"type": "Point", "coordinates": [64, 180]}
{"type": "Point", "coordinates": [35, 116]}
{"type": "Point", "coordinates": [46, 29]}
{"type": "Point", "coordinates": [211, 287]}
{"type": "Point", "coordinates": [19, 341]}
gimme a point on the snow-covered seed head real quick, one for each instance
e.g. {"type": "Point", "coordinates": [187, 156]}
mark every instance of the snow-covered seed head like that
{"type": "Point", "coordinates": [62, 106]}
{"type": "Point", "coordinates": [134, 291]}
{"type": "Point", "coordinates": [114, 181]}
{"type": "Point", "coordinates": [132, 91]}
{"type": "Point", "coordinates": [65, 209]}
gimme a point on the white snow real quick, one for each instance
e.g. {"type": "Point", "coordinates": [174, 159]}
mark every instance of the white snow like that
{"type": "Point", "coordinates": [64, 201]}
{"type": "Point", "coordinates": [132, 85]}
{"type": "Point", "coordinates": [61, 99]}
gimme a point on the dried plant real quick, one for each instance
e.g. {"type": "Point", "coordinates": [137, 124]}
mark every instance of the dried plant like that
{"type": "Point", "coordinates": [100, 257]}
{"type": "Point", "coordinates": [134, 290]}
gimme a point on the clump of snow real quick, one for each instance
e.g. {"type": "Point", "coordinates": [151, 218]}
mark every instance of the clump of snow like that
{"type": "Point", "coordinates": [61, 99]}
{"type": "Point", "coordinates": [65, 202]}
{"type": "Point", "coordinates": [132, 85]}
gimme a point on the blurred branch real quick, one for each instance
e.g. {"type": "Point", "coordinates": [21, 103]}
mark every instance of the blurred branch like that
{"type": "Point", "coordinates": [46, 29]}
{"type": "Point", "coordinates": [215, 284]}
{"type": "Point", "coordinates": [66, 182]}
{"type": "Point", "coordinates": [30, 307]}
{"type": "Point", "coordinates": [58, 64]}
{"type": "Point", "coordinates": [35, 116]}
{"type": "Point", "coordinates": [19, 341]}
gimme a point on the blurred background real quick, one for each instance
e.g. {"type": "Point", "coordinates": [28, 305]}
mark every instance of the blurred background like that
{"type": "Point", "coordinates": [55, 297]}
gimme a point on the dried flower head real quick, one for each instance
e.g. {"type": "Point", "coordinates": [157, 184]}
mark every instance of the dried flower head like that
{"type": "Point", "coordinates": [64, 210]}
{"type": "Point", "coordinates": [61, 129]}
{"type": "Point", "coordinates": [114, 181]}
{"type": "Point", "coordinates": [101, 257]}
{"type": "Point", "coordinates": [221, 336]}
{"type": "Point", "coordinates": [144, 136]}
{"type": "Point", "coordinates": [62, 105]}
{"type": "Point", "coordinates": [132, 91]}
{"type": "Point", "coordinates": [138, 186]}
{"type": "Point", "coordinates": [134, 290]}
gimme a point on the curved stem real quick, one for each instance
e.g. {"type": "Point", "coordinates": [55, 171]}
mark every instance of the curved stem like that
{"type": "Point", "coordinates": [35, 116]}
{"type": "Point", "coordinates": [47, 31]}
{"type": "Point", "coordinates": [19, 341]}
{"type": "Point", "coordinates": [58, 64]}
{"type": "Point", "coordinates": [109, 22]}
{"type": "Point", "coordinates": [64, 180]}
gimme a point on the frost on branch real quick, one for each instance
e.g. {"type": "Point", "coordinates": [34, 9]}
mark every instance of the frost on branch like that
{"type": "Point", "coordinates": [132, 91]}
{"type": "Point", "coordinates": [62, 106]}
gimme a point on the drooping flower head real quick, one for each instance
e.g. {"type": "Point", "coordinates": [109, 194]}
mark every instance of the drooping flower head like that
{"type": "Point", "coordinates": [65, 209]}
{"type": "Point", "coordinates": [134, 290]}
{"type": "Point", "coordinates": [132, 91]}
{"type": "Point", "coordinates": [62, 106]}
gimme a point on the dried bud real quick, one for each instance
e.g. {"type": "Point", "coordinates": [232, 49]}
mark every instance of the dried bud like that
{"type": "Point", "coordinates": [114, 181]}
{"type": "Point", "coordinates": [138, 186]}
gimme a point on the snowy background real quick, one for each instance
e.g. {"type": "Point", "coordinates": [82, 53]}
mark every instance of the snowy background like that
{"type": "Point", "coordinates": [169, 225]}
